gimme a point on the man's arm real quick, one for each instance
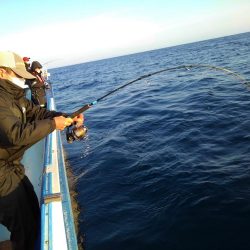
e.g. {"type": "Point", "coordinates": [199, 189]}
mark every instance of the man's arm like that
{"type": "Point", "coordinates": [14, 132]}
{"type": "Point", "coordinates": [35, 112]}
{"type": "Point", "coordinates": [40, 123]}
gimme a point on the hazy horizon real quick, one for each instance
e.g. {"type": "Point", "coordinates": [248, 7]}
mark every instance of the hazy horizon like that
{"type": "Point", "coordinates": [177, 45]}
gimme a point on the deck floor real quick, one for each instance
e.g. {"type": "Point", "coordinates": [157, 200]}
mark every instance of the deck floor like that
{"type": "Point", "coordinates": [5, 245]}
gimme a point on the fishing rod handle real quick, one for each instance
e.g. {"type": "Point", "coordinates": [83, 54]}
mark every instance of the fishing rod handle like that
{"type": "Point", "coordinates": [79, 111]}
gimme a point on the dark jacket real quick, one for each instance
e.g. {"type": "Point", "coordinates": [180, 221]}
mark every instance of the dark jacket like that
{"type": "Point", "coordinates": [37, 87]}
{"type": "Point", "coordinates": [39, 82]}
{"type": "Point", "coordinates": [22, 124]}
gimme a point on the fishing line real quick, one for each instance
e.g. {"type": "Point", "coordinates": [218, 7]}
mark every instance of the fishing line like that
{"type": "Point", "coordinates": [187, 67]}
{"type": "Point", "coordinates": [77, 133]}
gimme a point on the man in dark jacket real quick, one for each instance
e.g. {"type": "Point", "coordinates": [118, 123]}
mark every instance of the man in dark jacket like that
{"type": "Point", "coordinates": [37, 85]}
{"type": "Point", "coordinates": [22, 124]}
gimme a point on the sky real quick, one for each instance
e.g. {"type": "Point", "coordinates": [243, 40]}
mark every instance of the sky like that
{"type": "Point", "coordinates": [62, 32]}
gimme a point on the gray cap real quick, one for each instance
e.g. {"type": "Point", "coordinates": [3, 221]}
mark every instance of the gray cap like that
{"type": "Point", "coordinates": [15, 63]}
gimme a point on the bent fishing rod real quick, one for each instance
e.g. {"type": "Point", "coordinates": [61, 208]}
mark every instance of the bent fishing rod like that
{"type": "Point", "coordinates": [78, 133]}
{"type": "Point", "coordinates": [187, 67]}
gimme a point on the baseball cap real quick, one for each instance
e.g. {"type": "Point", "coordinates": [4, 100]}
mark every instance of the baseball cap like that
{"type": "Point", "coordinates": [15, 62]}
{"type": "Point", "coordinates": [26, 59]}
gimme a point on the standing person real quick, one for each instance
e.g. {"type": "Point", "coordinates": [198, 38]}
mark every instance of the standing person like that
{"type": "Point", "coordinates": [22, 124]}
{"type": "Point", "coordinates": [26, 61]}
{"type": "Point", "coordinates": [37, 85]}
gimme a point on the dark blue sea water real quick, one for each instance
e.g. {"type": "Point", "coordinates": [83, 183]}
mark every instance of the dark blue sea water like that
{"type": "Point", "coordinates": [166, 163]}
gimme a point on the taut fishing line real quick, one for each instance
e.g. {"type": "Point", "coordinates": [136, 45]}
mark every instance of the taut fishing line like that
{"type": "Point", "coordinates": [77, 133]}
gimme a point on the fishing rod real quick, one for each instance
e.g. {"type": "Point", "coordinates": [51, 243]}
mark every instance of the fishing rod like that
{"type": "Point", "coordinates": [78, 133]}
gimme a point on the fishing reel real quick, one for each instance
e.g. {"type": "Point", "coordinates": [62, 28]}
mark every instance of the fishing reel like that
{"type": "Point", "coordinates": [76, 133]}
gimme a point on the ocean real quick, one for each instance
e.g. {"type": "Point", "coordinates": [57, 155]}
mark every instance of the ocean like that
{"type": "Point", "coordinates": [166, 162]}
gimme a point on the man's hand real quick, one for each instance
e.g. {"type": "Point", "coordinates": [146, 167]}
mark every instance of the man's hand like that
{"type": "Point", "coordinates": [62, 122]}
{"type": "Point", "coordinates": [79, 120]}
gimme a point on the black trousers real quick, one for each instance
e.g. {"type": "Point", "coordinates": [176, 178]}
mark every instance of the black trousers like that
{"type": "Point", "coordinates": [20, 213]}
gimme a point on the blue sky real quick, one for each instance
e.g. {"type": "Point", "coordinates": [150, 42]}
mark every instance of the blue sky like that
{"type": "Point", "coordinates": [68, 32]}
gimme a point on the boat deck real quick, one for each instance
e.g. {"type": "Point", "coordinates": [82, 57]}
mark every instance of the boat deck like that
{"type": "Point", "coordinates": [5, 245]}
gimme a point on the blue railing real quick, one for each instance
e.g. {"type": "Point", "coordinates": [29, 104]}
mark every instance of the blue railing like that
{"type": "Point", "coordinates": [55, 197]}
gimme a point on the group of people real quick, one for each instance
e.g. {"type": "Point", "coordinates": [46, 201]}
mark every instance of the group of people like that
{"type": "Point", "coordinates": [22, 123]}
{"type": "Point", "coordinates": [37, 85]}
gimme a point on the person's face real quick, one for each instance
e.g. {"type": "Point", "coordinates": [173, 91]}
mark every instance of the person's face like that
{"type": "Point", "coordinates": [38, 70]}
{"type": "Point", "coordinates": [8, 74]}
{"type": "Point", "coordinates": [12, 77]}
